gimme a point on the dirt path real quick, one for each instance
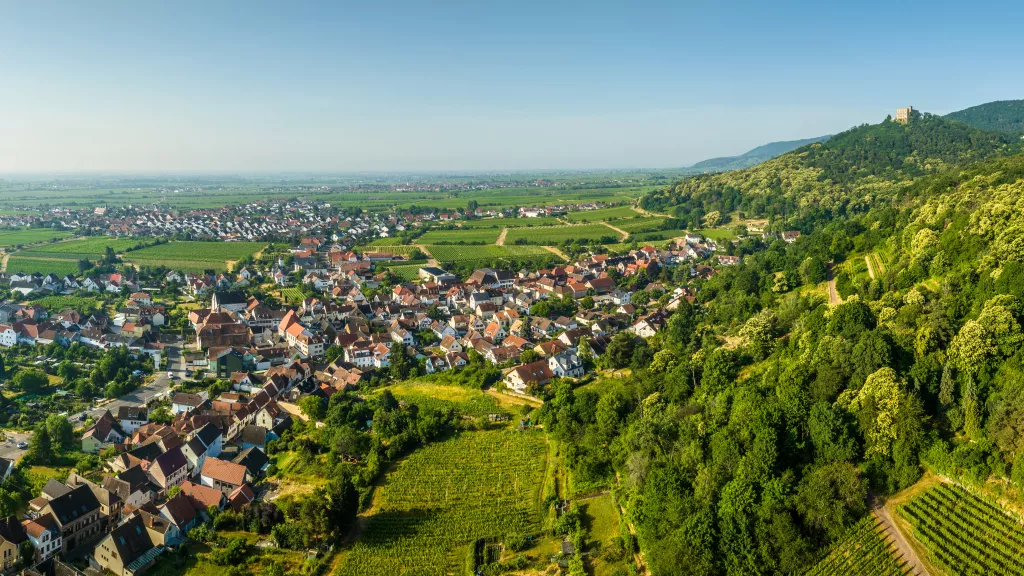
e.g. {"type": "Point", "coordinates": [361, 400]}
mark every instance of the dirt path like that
{"type": "Point", "coordinates": [622, 232]}
{"type": "Point", "coordinates": [3, 267]}
{"type": "Point", "coordinates": [833, 295]}
{"type": "Point", "coordinates": [516, 399]}
{"type": "Point", "coordinates": [556, 252]}
{"type": "Point", "coordinates": [646, 213]}
{"type": "Point", "coordinates": [871, 269]}
{"type": "Point", "coordinates": [501, 237]}
{"type": "Point", "coordinates": [896, 536]}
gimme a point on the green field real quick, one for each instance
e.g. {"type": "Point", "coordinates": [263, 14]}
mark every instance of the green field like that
{"type": "Point", "coordinates": [16, 236]}
{"type": "Point", "coordinates": [466, 401]}
{"type": "Point", "coordinates": [30, 265]}
{"type": "Point", "coordinates": [864, 551]}
{"type": "Point", "coordinates": [717, 233]}
{"type": "Point", "coordinates": [557, 235]}
{"type": "Point", "coordinates": [292, 295]}
{"type": "Point", "coordinates": [509, 222]}
{"type": "Point", "coordinates": [472, 236]}
{"type": "Point", "coordinates": [601, 214]}
{"type": "Point", "coordinates": [640, 224]}
{"type": "Point", "coordinates": [471, 253]}
{"type": "Point", "coordinates": [193, 256]}
{"type": "Point", "coordinates": [445, 496]}
{"type": "Point", "coordinates": [385, 242]}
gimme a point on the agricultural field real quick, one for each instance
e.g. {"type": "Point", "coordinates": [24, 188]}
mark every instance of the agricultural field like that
{"type": "Point", "coordinates": [385, 249]}
{"type": "Point", "coordinates": [663, 235]}
{"type": "Point", "coordinates": [386, 242]}
{"type": "Point", "coordinates": [471, 236]}
{"type": "Point", "coordinates": [15, 236]}
{"type": "Point", "coordinates": [29, 265]}
{"type": "Point", "coordinates": [966, 534]}
{"type": "Point", "coordinates": [601, 214]}
{"type": "Point", "coordinates": [83, 304]}
{"type": "Point", "coordinates": [464, 400]}
{"type": "Point", "coordinates": [717, 233]}
{"type": "Point", "coordinates": [557, 235]}
{"type": "Point", "coordinates": [441, 499]}
{"type": "Point", "coordinates": [89, 248]}
{"type": "Point", "coordinates": [471, 253]}
{"type": "Point", "coordinates": [193, 256]}
{"type": "Point", "coordinates": [509, 222]}
{"type": "Point", "coordinates": [866, 550]}
{"type": "Point", "coordinates": [292, 295]}
{"type": "Point", "coordinates": [407, 272]}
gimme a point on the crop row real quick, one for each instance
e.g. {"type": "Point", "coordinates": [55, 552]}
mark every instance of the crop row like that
{"type": "Point", "coordinates": [476, 485]}
{"type": "Point", "coordinates": [204, 251]}
{"type": "Point", "coordinates": [964, 533]}
{"type": "Point", "coordinates": [865, 550]}
{"type": "Point", "coordinates": [444, 253]}
{"type": "Point", "coordinates": [470, 236]}
{"type": "Point", "coordinates": [30, 265]}
{"type": "Point", "coordinates": [556, 235]}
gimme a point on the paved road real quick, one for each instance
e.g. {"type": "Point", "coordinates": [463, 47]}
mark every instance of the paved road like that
{"type": "Point", "coordinates": [158, 386]}
{"type": "Point", "coordinates": [9, 447]}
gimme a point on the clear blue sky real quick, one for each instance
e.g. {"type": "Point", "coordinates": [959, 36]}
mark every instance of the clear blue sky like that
{"type": "Point", "coordinates": [350, 86]}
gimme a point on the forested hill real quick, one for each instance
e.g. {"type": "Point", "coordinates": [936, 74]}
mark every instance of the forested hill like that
{"type": "Point", "coordinates": [848, 172]}
{"type": "Point", "coordinates": [755, 156]}
{"type": "Point", "coordinates": [1001, 116]}
{"type": "Point", "coordinates": [754, 425]}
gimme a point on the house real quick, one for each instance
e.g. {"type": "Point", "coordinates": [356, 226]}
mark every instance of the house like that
{"type": "Point", "coordinates": [181, 513]}
{"type": "Point", "coordinates": [78, 517]}
{"type": "Point", "coordinates": [520, 377]}
{"type": "Point", "coordinates": [132, 417]}
{"type": "Point", "coordinates": [253, 436]}
{"type": "Point", "coordinates": [229, 301]}
{"type": "Point", "coordinates": [169, 469]}
{"type": "Point", "coordinates": [241, 497]}
{"type": "Point", "coordinates": [566, 365]}
{"type": "Point", "coordinates": [182, 402]}
{"type": "Point", "coordinates": [133, 486]}
{"type": "Point", "coordinates": [222, 475]}
{"type": "Point", "coordinates": [212, 438]}
{"type": "Point", "coordinates": [12, 534]}
{"type": "Point", "coordinates": [195, 454]}
{"type": "Point", "coordinates": [44, 534]}
{"type": "Point", "coordinates": [203, 497]}
{"type": "Point", "coordinates": [129, 549]}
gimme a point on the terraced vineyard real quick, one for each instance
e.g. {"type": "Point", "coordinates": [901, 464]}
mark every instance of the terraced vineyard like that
{"type": "Point", "coordinates": [446, 253]}
{"type": "Point", "coordinates": [193, 256]}
{"type": "Point", "coordinates": [966, 534]}
{"type": "Point", "coordinates": [557, 235]}
{"type": "Point", "coordinates": [864, 551]}
{"type": "Point", "coordinates": [447, 495]}
{"type": "Point", "coordinates": [472, 236]}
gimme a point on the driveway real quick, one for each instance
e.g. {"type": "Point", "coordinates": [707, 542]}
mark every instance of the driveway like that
{"type": "Point", "coordinates": [9, 447]}
{"type": "Point", "coordinates": [154, 388]}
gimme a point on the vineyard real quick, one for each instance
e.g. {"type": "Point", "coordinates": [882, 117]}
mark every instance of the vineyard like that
{"type": "Point", "coordinates": [601, 214]}
{"type": "Point", "coordinates": [407, 272]}
{"type": "Point", "coordinates": [28, 265]}
{"type": "Point", "coordinates": [640, 224]}
{"type": "Point", "coordinates": [472, 236]}
{"type": "Point", "coordinates": [464, 400]}
{"type": "Point", "coordinates": [470, 253]}
{"type": "Point", "coordinates": [966, 534]}
{"type": "Point", "coordinates": [193, 256]}
{"type": "Point", "coordinates": [13, 237]}
{"type": "Point", "coordinates": [292, 295]}
{"type": "Point", "coordinates": [556, 235]}
{"type": "Point", "coordinates": [385, 242]}
{"type": "Point", "coordinates": [864, 551]}
{"type": "Point", "coordinates": [447, 495]}
{"type": "Point", "coordinates": [88, 248]}
{"type": "Point", "coordinates": [388, 249]}
{"type": "Point", "coordinates": [509, 222]}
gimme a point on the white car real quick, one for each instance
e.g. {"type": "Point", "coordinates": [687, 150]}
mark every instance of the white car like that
{"type": "Point", "coordinates": [170, 375]}
{"type": "Point", "coordinates": [23, 445]}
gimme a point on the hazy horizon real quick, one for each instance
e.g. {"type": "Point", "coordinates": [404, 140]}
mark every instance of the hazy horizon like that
{"type": "Point", "coordinates": [258, 88]}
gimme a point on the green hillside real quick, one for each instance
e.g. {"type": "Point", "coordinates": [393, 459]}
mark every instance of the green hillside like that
{"type": "Point", "coordinates": [1000, 116]}
{"type": "Point", "coordinates": [755, 156]}
{"type": "Point", "coordinates": [752, 428]}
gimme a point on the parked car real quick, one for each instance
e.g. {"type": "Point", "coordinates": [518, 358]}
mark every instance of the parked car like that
{"type": "Point", "coordinates": [22, 444]}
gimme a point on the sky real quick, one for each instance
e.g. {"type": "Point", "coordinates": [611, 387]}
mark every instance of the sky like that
{"type": "Point", "coordinates": [250, 86]}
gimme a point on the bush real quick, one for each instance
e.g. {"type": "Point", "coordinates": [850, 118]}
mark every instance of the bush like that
{"type": "Point", "coordinates": [516, 542]}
